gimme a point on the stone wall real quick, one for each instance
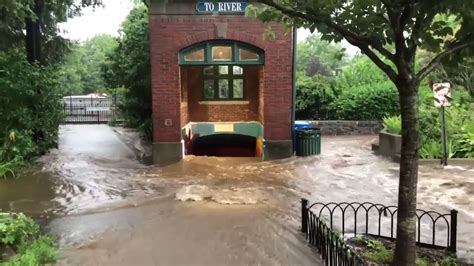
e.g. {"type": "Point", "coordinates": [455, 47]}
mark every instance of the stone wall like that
{"type": "Point", "coordinates": [337, 128]}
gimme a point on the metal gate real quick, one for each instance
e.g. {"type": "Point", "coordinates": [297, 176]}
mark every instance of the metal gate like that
{"type": "Point", "coordinates": [89, 109]}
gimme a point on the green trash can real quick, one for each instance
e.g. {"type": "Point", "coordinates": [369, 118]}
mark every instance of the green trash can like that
{"type": "Point", "coordinates": [308, 142]}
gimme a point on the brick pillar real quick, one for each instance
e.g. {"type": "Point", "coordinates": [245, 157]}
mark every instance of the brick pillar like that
{"type": "Point", "coordinates": [277, 97]}
{"type": "Point", "coordinates": [167, 145]}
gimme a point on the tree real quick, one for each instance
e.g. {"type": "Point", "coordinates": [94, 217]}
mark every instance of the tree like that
{"type": "Point", "coordinates": [30, 48]}
{"type": "Point", "coordinates": [316, 56]}
{"type": "Point", "coordinates": [81, 71]}
{"type": "Point", "coordinates": [129, 67]}
{"type": "Point", "coordinates": [35, 23]}
{"type": "Point", "coordinates": [389, 32]}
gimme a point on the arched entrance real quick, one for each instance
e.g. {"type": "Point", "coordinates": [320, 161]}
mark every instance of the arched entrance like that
{"type": "Point", "coordinates": [220, 98]}
{"type": "Point", "coordinates": [226, 145]}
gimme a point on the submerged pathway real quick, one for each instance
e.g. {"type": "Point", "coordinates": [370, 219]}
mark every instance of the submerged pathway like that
{"type": "Point", "coordinates": [109, 209]}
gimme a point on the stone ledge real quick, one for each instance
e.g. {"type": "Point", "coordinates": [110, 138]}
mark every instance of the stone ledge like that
{"type": "Point", "coordinates": [346, 127]}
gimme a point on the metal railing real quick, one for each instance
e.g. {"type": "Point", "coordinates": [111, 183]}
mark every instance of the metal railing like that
{"type": "Point", "coordinates": [332, 246]}
{"type": "Point", "coordinates": [84, 114]}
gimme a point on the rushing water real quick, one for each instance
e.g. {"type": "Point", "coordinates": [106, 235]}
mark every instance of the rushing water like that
{"type": "Point", "coordinates": [107, 208]}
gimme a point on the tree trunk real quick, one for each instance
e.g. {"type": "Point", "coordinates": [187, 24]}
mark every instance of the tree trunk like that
{"type": "Point", "coordinates": [33, 34]}
{"type": "Point", "coordinates": [405, 249]}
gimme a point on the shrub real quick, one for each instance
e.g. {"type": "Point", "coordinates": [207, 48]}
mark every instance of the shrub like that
{"type": "Point", "coordinates": [22, 234]}
{"type": "Point", "coordinates": [378, 252]}
{"type": "Point", "coordinates": [367, 102]}
{"type": "Point", "coordinates": [30, 112]}
{"type": "Point", "coordinates": [16, 229]}
{"type": "Point", "coordinates": [392, 124]}
{"type": "Point", "coordinates": [430, 149]}
{"type": "Point", "coordinates": [313, 96]}
{"type": "Point", "coordinates": [464, 146]}
{"type": "Point", "coordinates": [459, 125]}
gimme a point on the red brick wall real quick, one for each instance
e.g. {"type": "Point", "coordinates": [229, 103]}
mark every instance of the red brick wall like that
{"type": "Point", "coordinates": [169, 34]}
{"type": "Point", "coordinates": [184, 99]}
{"type": "Point", "coordinates": [199, 112]}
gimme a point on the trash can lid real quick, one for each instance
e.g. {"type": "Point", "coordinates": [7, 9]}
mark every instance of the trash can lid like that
{"type": "Point", "coordinates": [300, 124]}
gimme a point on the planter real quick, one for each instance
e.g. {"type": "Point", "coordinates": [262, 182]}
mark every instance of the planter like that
{"type": "Point", "coordinates": [389, 144]}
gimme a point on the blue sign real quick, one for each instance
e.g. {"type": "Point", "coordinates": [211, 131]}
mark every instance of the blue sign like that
{"type": "Point", "coordinates": [209, 6]}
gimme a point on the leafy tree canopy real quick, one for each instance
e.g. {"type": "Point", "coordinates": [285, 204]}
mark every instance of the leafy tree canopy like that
{"type": "Point", "coordinates": [81, 71]}
{"type": "Point", "coordinates": [316, 56]}
{"type": "Point", "coordinates": [390, 32]}
{"type": "Point", "coordinates": [129, 67]}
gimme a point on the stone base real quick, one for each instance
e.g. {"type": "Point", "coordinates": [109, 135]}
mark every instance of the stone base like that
{"type": "Point", "coordinates": [167, 152]}
{"type": "Point", "coordinates": [389, 144]}
{"type": "Point", "coordinates": [277, 149]}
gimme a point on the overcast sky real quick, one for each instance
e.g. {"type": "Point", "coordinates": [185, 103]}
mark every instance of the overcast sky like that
{"type": "Point", "coordinates": [99, 20]}
{"type": "Point", "coordinates": [109, 18]}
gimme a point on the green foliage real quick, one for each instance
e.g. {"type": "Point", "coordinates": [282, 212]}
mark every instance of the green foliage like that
{"type": "Point", "coordinates": [22, 234]}
{"type": "Point", "coordinates": [377, 252]}
{"type": "Point", "coordinates": [459, 125]}
{"type": "Point", "coordinates": [422, 262]}
{"type": "Point", "coordinates": [16, 229]}
{"type": "Point", "coordinates": [392, 124]}
{"type": "Point", "coordinates": [30, 112]}
{"type": "Point", "coordinates": [390, 33]}
{"type": "Point", "coordinates": [13, 26]}
{"type": "Point", "coordinates": [367, 102]}
{"type": "Point", "coordinates": [430, 149]}
{"type": "Point", "coordinates": [464, 147]}
{"type": "Point", "coordinates": [81, 71]}
{"type": "Point", "coordinates": [450, 261]}
{"type": "Point", "coordinates": [316, 56]}
{"type": "Point", "coordinates": [314, 95]}
{"type": "Point", "coordinates": [129, 67]}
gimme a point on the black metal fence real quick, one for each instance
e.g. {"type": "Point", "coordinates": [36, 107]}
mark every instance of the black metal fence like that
{"type": "Point", "coordinates": [369, 219]}
{"type": "Point", "coordinates": [81, 110]}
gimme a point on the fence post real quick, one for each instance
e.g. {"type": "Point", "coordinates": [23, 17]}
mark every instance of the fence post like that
{"type": "Point", "coordinates": [304, 215]}
{"type": "Point", "coordinates": [454, 230]}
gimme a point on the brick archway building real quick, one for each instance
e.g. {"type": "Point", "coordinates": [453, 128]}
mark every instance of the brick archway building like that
{"type": "Point", "coordinates": [214, 73]}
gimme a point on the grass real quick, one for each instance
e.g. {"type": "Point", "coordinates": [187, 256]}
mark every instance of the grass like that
{"type": "Point", "coordinates": [8, 169]}
{"type": "Point", "coordinates": [381, 253]}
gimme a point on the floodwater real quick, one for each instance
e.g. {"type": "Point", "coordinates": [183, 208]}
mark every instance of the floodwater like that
{"type": "Point", "coordinates": [107, 208]}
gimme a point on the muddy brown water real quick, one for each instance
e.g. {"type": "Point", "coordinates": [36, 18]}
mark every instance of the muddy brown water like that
{"type": "Point", "coordinates": [108, 209]}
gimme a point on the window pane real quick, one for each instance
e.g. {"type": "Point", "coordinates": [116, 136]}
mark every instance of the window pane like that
{"type": "Point", "coordinates": [238, 70]}
{"type": "Point", "coordinates": [209, 70]}
{"type": "Point", "coordinates": [223, 89]}
{"type": "Point", "coordinates": [197, 55]}
{"type": "Point", "coordinates": [223, 70]}
{"type": "Point", "coordinates": [222, 53]}
{"type": "Point", "coordinates": [247, 55]}
{"type": "Point", "coordinates": [209, 89]}
{"type": "Point", "coordinates": [238, 89]}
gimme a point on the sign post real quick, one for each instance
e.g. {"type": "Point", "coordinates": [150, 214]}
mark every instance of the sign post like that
{"type": "Point", "coordinates": [442, 96]}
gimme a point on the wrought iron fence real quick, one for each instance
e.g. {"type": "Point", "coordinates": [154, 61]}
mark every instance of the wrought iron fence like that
{"type": "Point", "coordinates": [331, 245]}
{"type": "Point", "coordinates": [89, 110]}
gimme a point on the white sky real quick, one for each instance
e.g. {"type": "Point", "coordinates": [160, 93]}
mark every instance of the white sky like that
{"type": "Point", "coordinates": [109, 18]}
{"type": "Point", "coordinates": [99, 20]}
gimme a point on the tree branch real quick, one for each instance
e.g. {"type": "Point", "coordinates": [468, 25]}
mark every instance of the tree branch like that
{"type": "Point", "coordinates": [367, 51]}
{"type": "Point", "coordinates": [436, 60]}
{"type": "Point", "coordinates": [338, 28]}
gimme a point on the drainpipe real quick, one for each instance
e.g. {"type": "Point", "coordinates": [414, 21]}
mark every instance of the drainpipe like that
{"type": "Point", "coordinates": [293, 89]}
